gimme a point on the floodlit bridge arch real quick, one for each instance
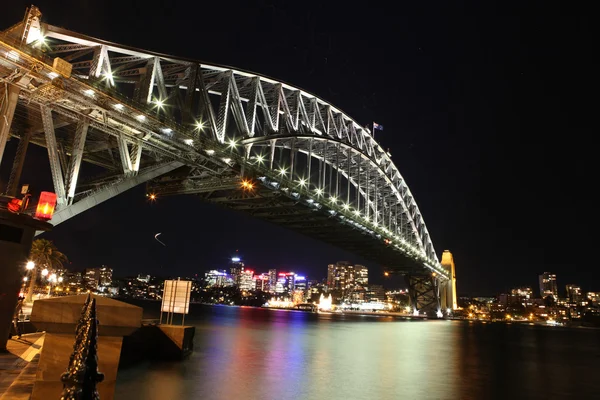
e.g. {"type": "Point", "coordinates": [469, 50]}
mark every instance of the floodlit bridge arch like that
{"type": "Point", "coordinates": [183, 127]}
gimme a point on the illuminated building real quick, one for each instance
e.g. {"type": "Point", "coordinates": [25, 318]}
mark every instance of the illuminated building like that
{"type": "Point", "coordinates": [289, 281]}
{"type": "Point", "coordinates": [272, 279]}
{"type": "Point", "coordinates": [594, 298]}
{"type": "Point", "coordinates": [215, 278]}
{"type": "Point", "coordinates": [344, 277]}
{"type": "Point", "coordinates": [261, 282]}
{"type": "Point", "coordinates": [245, 280]}
{"type": "Point", "coordinates": [574, 294]}
{"type": "Point", "coordinates": [300, 283]}
{"type": "Point", "coordinates": [525, 292]}
{"type": "Point", "coordinates": [92, 278]}
{"type": "Point", "coordinates": [279, 286]}
{"type": "Point", "coordinates": [105, 276]}
{"type": "Point", "coordinates": [376, 293]}
{"type": "Point", "coordinates": [361, 275]}
{"type": "Point", "coordinates": [548, 285]}
{"type": "Point", "coordinates": [235, 268]}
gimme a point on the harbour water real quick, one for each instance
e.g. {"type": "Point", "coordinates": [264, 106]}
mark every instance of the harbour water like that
{"type": "Point", "coordinates": [252, 353]}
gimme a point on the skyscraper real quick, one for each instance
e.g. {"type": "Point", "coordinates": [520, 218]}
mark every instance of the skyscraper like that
{"type": "Point", "coordinates": [361, 275]}
{"type": "Point", "coordinates": [272, 279]}
{"type": "Point", "coordinates": [574, 293]}
{"type": "Point", "coordinates": [548, 285]}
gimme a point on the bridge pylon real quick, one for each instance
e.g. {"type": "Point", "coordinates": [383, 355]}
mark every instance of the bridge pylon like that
{"type": "Point", "coordinates": [448, 289]}
{"type": "Point", "coordinates": [424, 294]}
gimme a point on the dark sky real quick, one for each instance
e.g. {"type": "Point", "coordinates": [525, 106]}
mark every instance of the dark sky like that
{"type": "Point", "coordinates": [486, 117]}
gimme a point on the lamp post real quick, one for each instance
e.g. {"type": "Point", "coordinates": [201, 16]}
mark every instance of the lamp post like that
{"type": "Point", "coordinates": [51, 280]}
{"type": "Point", "coordinates": [30, 267]}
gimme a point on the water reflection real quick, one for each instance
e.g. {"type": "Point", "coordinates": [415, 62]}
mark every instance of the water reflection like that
{"type": "Point", "coordinates": [273, 354]}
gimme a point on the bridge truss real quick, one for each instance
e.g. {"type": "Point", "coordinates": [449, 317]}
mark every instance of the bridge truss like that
{"type": "Point", "coordinates": [233, 137]}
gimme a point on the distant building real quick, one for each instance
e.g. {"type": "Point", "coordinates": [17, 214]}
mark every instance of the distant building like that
{"type": "Point", "coordinates": [300, 283]}
{"type": "Point", "coordinates": [245, 280]}
{"type": "Point", "coordinates": [548, 285]}
{"type": "Point", "coordinates": [105, 276]}
{"type": "Point", "coordinates": [361, 275]}
{"type": "Point", "coordinates": [594, 298]}
{"type": "Point", "coordinates": [235, 268]}
{"type": "Point", "coordinates": [574, 293]}
{"type": "Point", "coordinates": [524, 291]}
{"type": "Point", "coordinates": [289, 281]}
{"type": "Point", "coordinates": [261, 282]}
{"type": "Point", "coordinates": [272, 279]}
{"type": "Point", "coordinates": [215, 278]}
{"type": "Point", "coordinates": [376, 293]}
{"type": "Point", "coordinates": [95, 277]}
{"type": "Point", "coordinates": [345, 277]}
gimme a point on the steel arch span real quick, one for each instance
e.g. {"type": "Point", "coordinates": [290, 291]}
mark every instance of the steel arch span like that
{"type": "Point", "coordinates": [238, 138]}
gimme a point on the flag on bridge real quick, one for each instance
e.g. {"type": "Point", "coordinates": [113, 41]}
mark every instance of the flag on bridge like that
{"type": "Point", "coordinates": [376, 126]}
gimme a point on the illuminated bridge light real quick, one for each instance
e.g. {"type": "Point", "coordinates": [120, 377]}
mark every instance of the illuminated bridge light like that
{"type": "Point", "coordinates": [319, 191]}
{"type": "Point", "coordinates": [141, 117]}
{"type": "Point", "coordinates": [210, 152]}
{"type": "Point", "coordinates": [199, 126]}
{"type": "Point", "coordinates": [302, 182]}
{"type": "Point", "coordinates": [282, 171]}
{"type": "Point", "coordinates": [260, 159]}
{"type": "Point", "coordinates": [189, 142]}
{"type": "Point", "coordinates": [346, 206]}
{"type": "Point", "coordinates": [232, 143]}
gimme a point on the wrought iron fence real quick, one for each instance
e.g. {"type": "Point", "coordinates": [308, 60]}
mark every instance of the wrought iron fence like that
{"type": "Point", "coordinates": [81, 377]}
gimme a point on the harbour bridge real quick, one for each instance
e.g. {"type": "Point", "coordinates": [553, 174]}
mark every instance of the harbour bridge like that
{"type": "Point", "coordinates": [113, 117]}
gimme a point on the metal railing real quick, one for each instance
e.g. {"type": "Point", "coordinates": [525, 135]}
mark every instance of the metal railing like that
{"type": "Point", "coordinates": [81, 377]}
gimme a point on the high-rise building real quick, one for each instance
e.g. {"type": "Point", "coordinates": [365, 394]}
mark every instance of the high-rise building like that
{"type": "Point", "coordinates": [215, 278]}
{"type": "Point", "coordinates": [246, 281]}
{"type": "Point", "coordinates": [574, 293]}
{"type": "Point", "coordinates": [91, 278]}
{"type": "Point", "coordinates": [362, 275]}
{"type": "Point", "coordinates": [548, 285]}
{"type": "Point", "coordinates": [300, 283]}
{"type": "Point", "coordinates": [272, 279]}
{"type": "Point", "coordinates": [105, 276]}
{"type": "Point", "coordinates": [340, 276]}
{"type": "Point", "coordinates": [289, 281]}
{"type": "Point", "coordinates": [261, 282]}
{"type": "Point", "coordinates": [235, 268]}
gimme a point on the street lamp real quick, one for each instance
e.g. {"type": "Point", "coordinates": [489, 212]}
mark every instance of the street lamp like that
{"type": "Point", "coordinates": [51, 280]}
{"type": "Point", "coordinates": [44, 272]}
{"type": "Point", "coordinates": [30, 265]}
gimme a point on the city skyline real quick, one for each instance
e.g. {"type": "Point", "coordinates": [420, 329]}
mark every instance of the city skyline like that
{"type": "Point", "coordinates": [462, 113]}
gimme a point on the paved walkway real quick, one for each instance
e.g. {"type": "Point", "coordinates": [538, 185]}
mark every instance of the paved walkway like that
{"type": "Point", "coordinates": [18, 366]}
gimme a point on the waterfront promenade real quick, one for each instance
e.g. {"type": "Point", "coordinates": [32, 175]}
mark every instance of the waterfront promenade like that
{"type": "Point", "coordinates": [18, 366]}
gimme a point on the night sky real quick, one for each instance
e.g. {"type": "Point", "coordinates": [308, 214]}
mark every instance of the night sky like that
{"type": "Point", "coordinates": [486, 116]}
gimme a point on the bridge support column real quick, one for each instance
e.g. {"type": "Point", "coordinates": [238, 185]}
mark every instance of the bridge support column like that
{"type": "Point", "coordinates": [8, 104]}
{"type": "Point", "coordinates": [424, 294]}
{"type": "Point", "coordinates": [17, 168]}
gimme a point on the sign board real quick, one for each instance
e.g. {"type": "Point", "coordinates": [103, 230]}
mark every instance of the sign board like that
{"type": "Point", "coordinates": [176, 297]}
